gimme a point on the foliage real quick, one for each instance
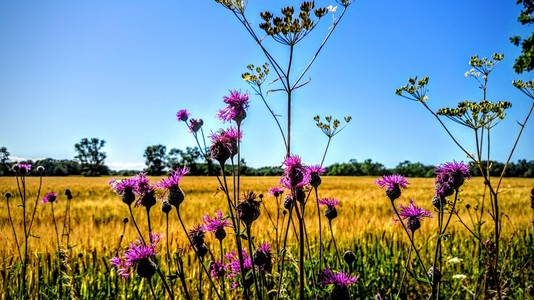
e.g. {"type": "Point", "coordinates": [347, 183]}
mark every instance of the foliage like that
{"type": "Point", "coordinates": [525, 61]}
{"type": "Point", "coordinates": [156, 159]}
{"type": "Point", "coordinates": [91, 156]}
{"type": "Point", "coordinates": [4, 160]}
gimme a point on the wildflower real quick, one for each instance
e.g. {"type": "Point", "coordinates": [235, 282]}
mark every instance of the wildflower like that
{"type": "Point", "coordinates": [455, 260]}
{"type": "Point", "coordinates": [288, 202]}
{"type": "Point", "coordinates": [330, 212]}
{"type": "Point", "coordinates": [434, 275]}
{"type": "Point", "coordinates": [217, 270]}
{"type": "Point", "coordinates": [331, 8]}
{"type": "Point", "coordinates": [68, 193]}
{"type": "Point", "coordinates": [262, 257]}
{"type": "Point", "coordinates": [166, 206]}
{"type": "Point", "coordinates": [137, 258]}
{"type": "Point", "coordinates": [225, 144]}
{"type": "Point", "coordinates": [196, 235]}
{"type": "Point", "coordinates": [124, 188]}
{"type": "Point", "coordinates": [449, 178]}
{"type": "Point", "coordinates": [195, 125]}
{"type": "Point", "coordinates": [22, 168]}
{"type": "Point", "coordinates": [233, 267]}
{"type": "Point", "coordinates": [182, 115]}
{"type": "Point", "coordinates": [145, 191]}
{"type": "Point", "coordinates": [349, 257]}
{"type": "Point", "coordinates": [49, 198]}
{"type": "Point", "coordinates": [276, 191]}
{"type": "Point", "coordinates": [459, 276]}
{"type": "Point", "coordinates": [394, 184]}
{"type": "Point", "coordinates": [341, 282]}
{"type": "Point", "coordinates": [216, 226]}
{"type": "Point", "coordinates": [315, 173]}
{"type": "Point", "coordinates": [295, 174]}
{"type": "Point", "coordinates": [248, 209]}
{"type": "Point", "coordinates": [414, 214]}
{"type": "Point", "coordinates": [171, 183]}
{"type": "Point", "coordinates": [236, 109]}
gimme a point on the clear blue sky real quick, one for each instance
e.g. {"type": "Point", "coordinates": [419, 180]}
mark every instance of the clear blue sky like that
{"type": "Point", "coordinates": [120, 70]}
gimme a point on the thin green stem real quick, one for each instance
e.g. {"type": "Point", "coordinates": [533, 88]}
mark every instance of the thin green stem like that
{"type": "Point", "coordinates": [135, 225]}
{"type": "Point", "coordinates": [405, 270]}
{"type": "Point", "coordinates": [282, 260]}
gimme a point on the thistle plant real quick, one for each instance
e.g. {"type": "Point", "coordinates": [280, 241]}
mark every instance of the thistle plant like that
{"type": "Point", "coordinates": [480, 117]}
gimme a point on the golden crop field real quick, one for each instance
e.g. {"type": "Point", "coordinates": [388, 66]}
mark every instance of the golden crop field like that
{"type": "Point", "coordinates": [97, 212]}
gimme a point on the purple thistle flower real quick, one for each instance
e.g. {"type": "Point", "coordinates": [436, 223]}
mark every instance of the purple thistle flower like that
{"type": "Point", "coordinates": [182, 115]}
{"type": "Point", "coordinates": [276, 191]}
{"type": "Point", "coordinates": [331, 211]}
{"type": "Point", "coordinates": [449, 177]}
{"type": "Point", "coordinates": [340, 279]}
{"type": "Point", "coordinates": [233, 267]}
{"type": "Point", "coordinates": [173, 179]}
{"type": "Point", "coordinates": [394, 184]}
{"type": "Point", "coordinates": [295, 175]}
{"type": "Point", "coordinates": [413, 214]}
{"type": "Point", "coordinates": [216, 226]}
{"type": "Point", "coordinates": [329, 202]}
{"type": "Point", "coordinates": [315, 172]}
{"type": "Point", "coordinates": [137, 258]}
{"type": "Point", "coordinates": [124, 188]}
{"type": "Point", "coordinates": [197, 236]}
{"type": "Point", "coordinates": [262, 257]}
{"type": "Point", "coordinates": [217, 270]}
{"type": "Point", "coordinates": [224, 144]}
{"type": "Point", "coordinates": [195, 125]}
{"type": "Point", "coordinates": [22, 168]}
{"type": "Point", "coordinates": [236, 109]}
{"type": "Point", "coordinates": [50, 198]}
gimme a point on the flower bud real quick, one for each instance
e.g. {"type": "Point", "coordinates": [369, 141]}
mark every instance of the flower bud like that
{"type": "Point", "coordinates": [330, 212]}
{"type": "Point", "coordinates": [349, 257]}
{"type": "Point", "coordinates": [393, 192]}
{"type": "Point", "coordinates": [166, 207]}
{"type": "Point", "coordinates": [146, 268]}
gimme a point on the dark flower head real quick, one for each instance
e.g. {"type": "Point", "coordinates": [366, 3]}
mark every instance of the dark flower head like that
{"type": "Point", "coordinates": [349, 257]}
{"type": "Point", "coordinates": [22, 168]}
{"type": "Point", "coordinates": [413, 214]}
{"type": "Point", "coordinates": [276, 191]}
{"type": "Point", "coordinates": [166, 207]}
{"type": "Point", "coordinates": [450, 177]}
{"type": "Point", "coordinates": [195, 125]}
{"type": "Point", "coordinates": [340, 279]}
{"type": "Point", "coordinates": [217, 270]}
{"type": "Point", "coordinates": [216, 226]}
{"type": "Point", "coordinates": [124, 188]}
{"type": "Point", "coordinates": [314, 173]}
{"type": "Point", "coordinates": [262, 257]}
{"type": "Point", "coordinates": [236, 109]}
{"type": "Point", "coordinates": [49, 198]}
{"type": "Point", "coordinates": [331, 211]}
{"type": "Point", "coordinates": [197, 236]}
{"type": "Point", "coordinates": [225, 144]}
{"type": "Point", "coordinates": [434, 274]}
{"type": "Point", "coordinates": [288, 202]}
{"type": "Point", "coordinates": [248, 209]}
{"type": "Point", "coordinates": [182, 115]}
{"type": "Point", "coordinates": [394, 184]}
{"type": "Point", "coordinates": [137, 258]}
{"type": "Point", "coordinates": [68, 193]}
{"type": "Point", "coordinates": [295, 174]}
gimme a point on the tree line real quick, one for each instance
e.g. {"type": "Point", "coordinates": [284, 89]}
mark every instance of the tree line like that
{"type": "Point", "coordinates": [90, 161]}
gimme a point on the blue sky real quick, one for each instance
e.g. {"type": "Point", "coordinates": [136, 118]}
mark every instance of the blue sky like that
{"type": "Point", "coordinates": [120, 70]}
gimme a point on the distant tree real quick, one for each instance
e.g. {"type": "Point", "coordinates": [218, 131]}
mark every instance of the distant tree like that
{"type": "Point", "coordinates": [156, 160]}
{"type": "Point", "coordinates": [409, 169]}
{"type": "Point", "coordinates": [91, 157]}
{"type": "Point", "coordinates": [190, 158]}
{"type": "Point", "coordinates": [525, 61]}
{"type": "Point", "coordinates": [4, 160]}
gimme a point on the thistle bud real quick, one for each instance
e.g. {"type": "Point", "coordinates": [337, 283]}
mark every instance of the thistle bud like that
{"type": "Point", "coordinates": [166, 206]}
{"type": "Point", "coordinates": [146, 268]}
{"type": "Point", "coordinates": [176, 196]}
{"type": "Point", "coordinates": [349, 257]}
{"type": "Point", "coordinates": [330, 212]}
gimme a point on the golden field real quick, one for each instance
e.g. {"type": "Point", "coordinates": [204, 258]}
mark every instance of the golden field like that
{"type": "Point", "coordinates": [97, 212]}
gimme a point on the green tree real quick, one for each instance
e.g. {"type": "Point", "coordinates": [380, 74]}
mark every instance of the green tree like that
{"type": "Point", "coordinates": [156, 160]}
{"type": "Point", "coordinates": [91, 156]}
{"type": "Point", "coordinates": [525, 61]}
{"type": "Point", "coordinates": [4, 160]}
{"type": "Point", "coordinates": [190, 158]}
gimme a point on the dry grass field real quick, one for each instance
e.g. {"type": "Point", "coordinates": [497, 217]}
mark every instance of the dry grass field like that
{"type": "Point", "coordinates": [97, 212]}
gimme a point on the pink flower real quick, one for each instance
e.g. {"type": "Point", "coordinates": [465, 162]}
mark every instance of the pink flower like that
{"type": "Point", "coordinates": [236, 109]}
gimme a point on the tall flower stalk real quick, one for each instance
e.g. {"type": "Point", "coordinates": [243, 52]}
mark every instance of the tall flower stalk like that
{"type": "Point", "coordinates": [480, 117]}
